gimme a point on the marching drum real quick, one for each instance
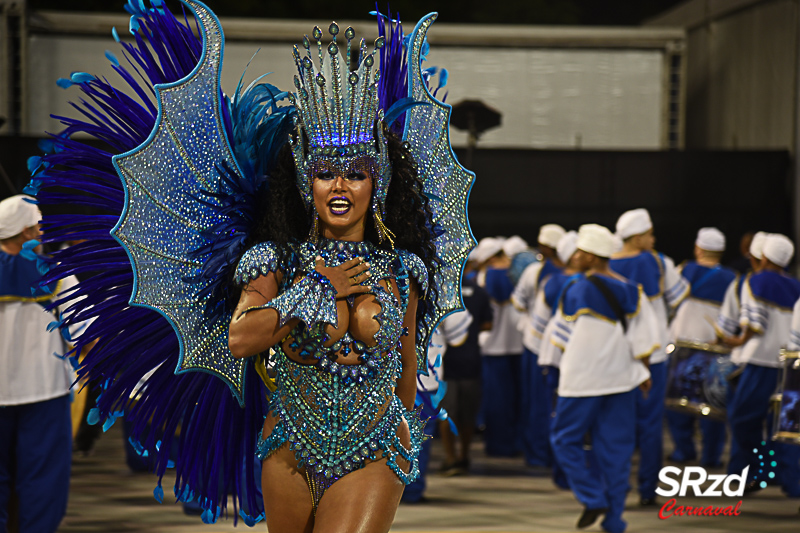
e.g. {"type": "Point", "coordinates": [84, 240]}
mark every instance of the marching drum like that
{"type": "Point", "coordinates": [786, 427]}
{"type": "Point", "coordinates": [697, 382]}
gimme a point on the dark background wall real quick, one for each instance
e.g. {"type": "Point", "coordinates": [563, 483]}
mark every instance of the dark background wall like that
{"type": "Point", "coordinates": [517, 191]}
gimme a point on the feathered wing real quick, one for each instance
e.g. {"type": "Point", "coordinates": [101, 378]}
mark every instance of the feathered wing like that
{"type": "Point", "coordinates": [446, 183]}
{"type": "Point", "coordinates": [179, 207]}
{"type": "Point", "coordinates": [163, 222]}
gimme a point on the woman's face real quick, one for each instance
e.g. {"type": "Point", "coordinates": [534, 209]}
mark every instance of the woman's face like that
{"type": "Point", "coordinates": [342, 195]}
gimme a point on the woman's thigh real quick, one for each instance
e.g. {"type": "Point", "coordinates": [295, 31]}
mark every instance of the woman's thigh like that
{"type": "Point", "coordinates": [364, 501]}
{"type": "Point", "coordinates": [287, 501]}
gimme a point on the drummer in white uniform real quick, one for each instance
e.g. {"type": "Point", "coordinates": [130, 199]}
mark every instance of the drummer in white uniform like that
{"type": "Point", "coordinates": [535, 417]}
{"type": "Point", "coordinates": [35, 422]}
{"type": "Point", "coordinates": [695, 321]}
{"type": "Point", "coordinates": [728, 319]}
{"type": "Point", "coordinates": [666, 289]}
{"type": "Point", "coordinates": [501, 350]}
{"type": "Point", "coordinates": [766, 315]}
{"type": "Point", "coordinates": [550, 355]}
{"type": "Point", "coordinates": [607, 329]}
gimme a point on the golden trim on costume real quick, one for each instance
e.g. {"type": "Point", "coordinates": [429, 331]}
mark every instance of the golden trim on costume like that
{"type": "Point", "coordinates": [648, 353]}
{"type": "Point", "coordinates": [33, 299]}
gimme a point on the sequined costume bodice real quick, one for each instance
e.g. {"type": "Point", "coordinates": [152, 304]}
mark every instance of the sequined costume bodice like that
{"type": "Point", "coordinates": [337, 416]}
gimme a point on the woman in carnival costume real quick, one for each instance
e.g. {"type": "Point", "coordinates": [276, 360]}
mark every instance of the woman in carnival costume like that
{"type": "Point", "coordinates": [336, 217]}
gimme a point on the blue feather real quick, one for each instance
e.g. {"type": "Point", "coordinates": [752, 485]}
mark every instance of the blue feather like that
{"type": "Point", "coordinates": [400, 107]}
{"type": "Point", "coordinates": [111, 57]}
{"type": "Point", "coordinates": [132, 341]}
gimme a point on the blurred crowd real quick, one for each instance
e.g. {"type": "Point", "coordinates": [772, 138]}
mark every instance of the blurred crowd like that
{"type": "Point", "coordinates": [584, 346]}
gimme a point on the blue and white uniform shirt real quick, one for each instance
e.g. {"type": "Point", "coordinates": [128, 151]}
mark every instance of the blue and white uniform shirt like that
{"type": "Point", "coordinates": [546, 303]}
{"type": "Point", "coordinates": [31, 369]}
{"type": "Point", "coordinates": [768, 299]}
{"type": "Point", "coordinates": [728, 318]}
{"type": "Point", "coordinates": [697, 315]}
{"type": "Point", "coordinates": [600, 358]}
{"type": "Point", "coordinates": [504, 337]}
{"type": "Point", "coordinates": [663, 285]}
{"type": "Point", "coordinates": [524, 300]}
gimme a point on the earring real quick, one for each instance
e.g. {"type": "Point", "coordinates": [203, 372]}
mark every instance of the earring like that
{"type": "Point", "coordinates": [313, 234]}
{"type": "Point", "coordinates": [384, 233]}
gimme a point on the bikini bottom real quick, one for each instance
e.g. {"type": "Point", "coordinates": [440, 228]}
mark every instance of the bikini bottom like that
{"type": "Point", "coordinates": [336, 422]}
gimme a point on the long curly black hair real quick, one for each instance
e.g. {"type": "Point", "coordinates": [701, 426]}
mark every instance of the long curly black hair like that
{"type": "Point", "coordinates": [408, 215]}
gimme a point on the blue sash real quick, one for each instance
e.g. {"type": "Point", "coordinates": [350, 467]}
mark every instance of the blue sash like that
{"type": "Point", "coordinates": [775, 288]}
{"type": "Point", "coordinates": [548, 269]}
{"type": "Point", "coordinates": [708, 283]}
{"type": "Point", "coordinates": [646, 269]}
{"type": "Point", "coordinates": [582, 297]}
{"type": "Point", "coordinates": [19, 280]}
{"type": "Point", "coordinates": [499, 284]}
{"type": "Point", "coordinates": [555, 286]}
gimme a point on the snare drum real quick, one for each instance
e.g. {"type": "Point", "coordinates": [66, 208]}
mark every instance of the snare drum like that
{"type": "Point", "coordinates": [786, 426]}
{"type": "Point", "coordinates": [697, 381]}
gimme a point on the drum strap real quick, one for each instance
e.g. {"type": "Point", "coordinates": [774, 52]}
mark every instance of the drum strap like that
{"type": "Point", "coordinates": [616, 307]}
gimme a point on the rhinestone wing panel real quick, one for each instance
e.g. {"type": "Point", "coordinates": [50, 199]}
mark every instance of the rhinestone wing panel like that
{"type": "Point", "coordinates": [162, 222]}
{"type": "Point", "coordinates": [446, 182]}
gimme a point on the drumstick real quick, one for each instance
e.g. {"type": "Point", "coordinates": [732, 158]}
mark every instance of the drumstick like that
{"type": "Point", "coordinates": [717, 329]}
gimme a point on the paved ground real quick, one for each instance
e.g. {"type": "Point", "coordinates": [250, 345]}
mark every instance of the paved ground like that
{"type": "Point", "coordinates": [500, 495]}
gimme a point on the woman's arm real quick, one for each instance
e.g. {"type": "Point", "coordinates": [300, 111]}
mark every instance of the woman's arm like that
{"type": "Point", "coordinates": [407, 384]}
{"type": "Point", "coordinates": [257, 323]}
{"type": "Point", "coordinates": [253, 333]}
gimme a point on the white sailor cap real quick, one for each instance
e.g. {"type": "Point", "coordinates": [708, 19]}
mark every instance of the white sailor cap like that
{"type": "Point", "coordinates": [514, 245]}
{"type": "Point", "coordinates": [779, 249]}
{"type": "Point", "coordinates": [567, 246]}
{"type": "Point", "coordinates": [757, 244]}
{"type": "Point", "coordinates": [17, 214]}
{"type": "Point", "coordinates": [550, 234]}
{"type": "Point", "coordinates": [488, 247]}
{"type": "Point", "coordinates": [618, 244]}
{"type": "Point", "coordinates": [710, 239]}
{"type": "Point", "coordinates": [596, 239]}
{"type": "Point", "coordinates": [633, 222]}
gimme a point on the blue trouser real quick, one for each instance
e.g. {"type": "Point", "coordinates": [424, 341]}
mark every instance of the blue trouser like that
{"type": "Point", "coordinates": [730, 393]}
{"type": "Point", "coordinates": [551, 386]}
{"type": "Point", "coordinates": [747, 415]}
{"type": "Point", "coordinates": [535, 415]}
{"type": "Point", "coordinates": [610, 420]}
{"type": "Point", "coordinates": [36, 455]}
{"type": "Point", "coordinates": [501, 402]}
{"type": "Point", "coordinates": [649, 430]}
{"type": "Point", "coordinates": [681, 427]}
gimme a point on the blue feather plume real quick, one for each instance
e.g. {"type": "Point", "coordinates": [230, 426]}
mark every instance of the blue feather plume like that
{"type": "Point", "coordinates": [190, 421]}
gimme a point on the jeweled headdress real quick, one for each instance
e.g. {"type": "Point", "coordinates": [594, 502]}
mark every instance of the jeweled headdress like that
{"type": "Point", "coordinates": [337, 112]}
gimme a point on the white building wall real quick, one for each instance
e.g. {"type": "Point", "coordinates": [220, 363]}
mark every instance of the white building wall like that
{"type": "Point", "coordinates": [549, 97]}
{"type": "Point", "coordinates": [561, 98]}
{"type": "Point", "coordinates": [53, 57]}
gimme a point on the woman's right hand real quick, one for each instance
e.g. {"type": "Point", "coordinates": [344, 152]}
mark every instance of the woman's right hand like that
{"type": "Point", "coordinates": [347, 277]}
